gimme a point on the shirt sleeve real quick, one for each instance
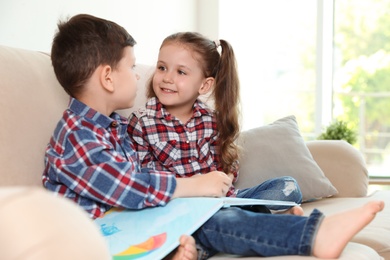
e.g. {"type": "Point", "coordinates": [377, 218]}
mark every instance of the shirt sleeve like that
{"type": "Point", "coordinates": [235, 172]}
{"type": "Point", "coordinates": [92, 167]}
{"type": "Point", "coordinates": [233, 168]}
{"type": "Point", "coordinates": [137, 136]}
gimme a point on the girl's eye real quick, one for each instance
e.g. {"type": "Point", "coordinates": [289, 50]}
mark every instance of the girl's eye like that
{"type": "Point", "coordinates": [162, 68]}
{"type": "Point", "coordinates": [181, 72]}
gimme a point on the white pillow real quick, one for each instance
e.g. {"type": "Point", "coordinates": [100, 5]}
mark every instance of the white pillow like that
{"type": "Point", "coordinates": [277, 150]}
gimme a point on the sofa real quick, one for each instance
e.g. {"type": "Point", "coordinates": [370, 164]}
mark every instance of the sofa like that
{"type": "Point", "coordinates": [332, 174]}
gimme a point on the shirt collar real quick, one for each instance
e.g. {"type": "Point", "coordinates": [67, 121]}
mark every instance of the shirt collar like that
{"type": "Point", "coordinates": [83, 110]}
{"type": "Point", "coordinates": [156, 109]}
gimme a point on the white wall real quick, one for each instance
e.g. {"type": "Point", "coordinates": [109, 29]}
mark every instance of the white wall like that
{"type": "Point", "coordinates": [208, 18]}
{"type": "Point", "coordinates": [31, 24]}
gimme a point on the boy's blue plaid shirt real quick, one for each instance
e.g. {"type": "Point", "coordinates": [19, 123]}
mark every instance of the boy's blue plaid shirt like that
{"type": "Point", "coordinates": [90, 159]}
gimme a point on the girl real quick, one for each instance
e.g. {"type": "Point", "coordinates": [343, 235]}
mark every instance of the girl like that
{"type": "Point", "coordinates": [177, 132]}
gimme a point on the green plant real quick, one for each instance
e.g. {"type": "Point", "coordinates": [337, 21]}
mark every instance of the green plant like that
{"type": "Point", "coordinates": [339, 130]}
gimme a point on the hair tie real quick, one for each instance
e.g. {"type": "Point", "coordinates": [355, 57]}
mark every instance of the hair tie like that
{"type": "Point", "coordinates": [217, 43]}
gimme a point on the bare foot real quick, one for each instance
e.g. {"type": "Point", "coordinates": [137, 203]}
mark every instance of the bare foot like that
{"type": "Point", "coordinates": [186, 250]}
{"type": "Point", "coordinates": [343, 226]}
{"type": "Point", "coordinates": [296, 210]}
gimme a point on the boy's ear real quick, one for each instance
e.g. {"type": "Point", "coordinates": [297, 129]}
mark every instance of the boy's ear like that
{"type": "Point", "coordinates": [206, 85]}
{"type": "Point", "coordinates": [106, 78]}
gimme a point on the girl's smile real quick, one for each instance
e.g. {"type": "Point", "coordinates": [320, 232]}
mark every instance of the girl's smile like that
{"type": "Point", "coordinates": [178, 80]}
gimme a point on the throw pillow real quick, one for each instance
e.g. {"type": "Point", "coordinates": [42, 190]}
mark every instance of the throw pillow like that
{"type": "Point", "coordinates": [277, 150]}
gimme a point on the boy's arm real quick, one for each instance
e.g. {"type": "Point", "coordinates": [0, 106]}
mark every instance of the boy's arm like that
{"type": "Point", "coordinates": [92, 168]}
{"type": "Point", "coordinates": [96, 171]}
{"type": "Point", "coordinates": [213, 184]}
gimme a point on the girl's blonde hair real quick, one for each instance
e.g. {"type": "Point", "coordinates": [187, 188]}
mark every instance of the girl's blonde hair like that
{"type": "Point", "coordinates": [226, 92]}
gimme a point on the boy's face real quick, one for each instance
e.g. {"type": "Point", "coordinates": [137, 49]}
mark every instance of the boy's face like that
{"type": "Point", "coordinates": [125, 80]}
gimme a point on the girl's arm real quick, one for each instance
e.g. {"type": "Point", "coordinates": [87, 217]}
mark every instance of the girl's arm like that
{"type": "Point", "coordinates": [137, 137]}
{"type": "Point", "coordinates": [233, 174]}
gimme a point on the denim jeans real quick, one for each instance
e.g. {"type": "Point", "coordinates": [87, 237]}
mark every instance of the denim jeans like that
{"type": "Point", "coordinates": [241, 232]}
{"type": "Point", "coordinates": [283, 188]}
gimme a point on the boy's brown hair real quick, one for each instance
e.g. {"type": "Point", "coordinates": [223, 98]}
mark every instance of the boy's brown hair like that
{"type": "Point", "coordinates": [81, 45]}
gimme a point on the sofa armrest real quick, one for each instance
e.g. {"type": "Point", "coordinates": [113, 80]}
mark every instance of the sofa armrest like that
{"type": "Point", "coordinates": [35, 224]}
{"type": "Point", "coordinates": [343, 165]}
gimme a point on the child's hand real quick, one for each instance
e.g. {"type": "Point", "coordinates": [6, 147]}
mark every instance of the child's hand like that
{"type": "Point", "coordinates": [213, 184]}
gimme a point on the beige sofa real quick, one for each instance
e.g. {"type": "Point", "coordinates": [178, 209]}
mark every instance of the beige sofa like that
{"type": "Point", "coordinates": [32, 102]}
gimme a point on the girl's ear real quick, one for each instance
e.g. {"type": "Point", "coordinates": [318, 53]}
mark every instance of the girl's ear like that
{"type": "Point", "coordinates": [206, 85]}
{"type": "Point", "coordinates": [106, 78]}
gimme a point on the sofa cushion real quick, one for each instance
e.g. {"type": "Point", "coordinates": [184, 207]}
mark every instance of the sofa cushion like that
{"type": "Point", "coordinates": [36, 225]}
{"type": "Point", "coordinates": [276, 150]}
{"type": "Point", "coordinates": [343, 165]}
{"type": "Point", "coordinates": [32, 102]}
{"type": "Point", "coordinates": [353, 251]}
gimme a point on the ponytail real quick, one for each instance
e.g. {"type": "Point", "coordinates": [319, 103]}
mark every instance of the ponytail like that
{"type": "Point", "coordinates": [227, 102]}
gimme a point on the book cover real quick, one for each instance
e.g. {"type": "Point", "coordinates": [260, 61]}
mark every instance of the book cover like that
{"type": "Point", "coordinates": [152, 233]}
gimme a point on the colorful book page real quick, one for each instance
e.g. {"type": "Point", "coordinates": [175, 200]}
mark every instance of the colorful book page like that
{"type": "Point", "coordinates": [152, 233]}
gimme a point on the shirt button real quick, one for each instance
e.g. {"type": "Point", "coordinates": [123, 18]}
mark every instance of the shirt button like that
{"type": "Point", "coordinates": [187, 142]}
{"type": "Point", "coordinates": [114, 124]}
{"type": "Point", "coordinates": [189, 161]}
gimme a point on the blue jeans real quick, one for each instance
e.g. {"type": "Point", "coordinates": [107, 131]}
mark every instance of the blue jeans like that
{"type": "Point", "coordinates": [283, 188]}
{"type": "Point", "coordinates": [238, 231]}
{"type": "Point", "coordinates": [241, 232]}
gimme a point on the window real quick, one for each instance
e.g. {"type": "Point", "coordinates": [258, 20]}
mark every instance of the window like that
{"type": "Point", "coordinates": [275, 45]}
{"type": "Point", "coordinates": [319, 60]}
{"type": "Point", "coordinates": [362, 76]}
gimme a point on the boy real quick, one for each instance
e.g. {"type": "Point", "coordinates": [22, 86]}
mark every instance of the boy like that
{"type": "Point", "coordinates": [90, 159]}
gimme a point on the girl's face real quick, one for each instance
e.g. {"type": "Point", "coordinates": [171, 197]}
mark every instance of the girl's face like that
{"type": "Point", "coordinates": [178, 79]}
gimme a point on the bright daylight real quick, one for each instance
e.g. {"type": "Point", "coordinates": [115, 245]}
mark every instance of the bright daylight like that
{"type": "Point", "coordinates": [195, 129]}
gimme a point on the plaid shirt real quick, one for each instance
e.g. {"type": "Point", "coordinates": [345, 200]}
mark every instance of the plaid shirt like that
{"type": "Point", "coordinates": [164, 143]}
{"type": "Point", "coordinates": [90, 159]}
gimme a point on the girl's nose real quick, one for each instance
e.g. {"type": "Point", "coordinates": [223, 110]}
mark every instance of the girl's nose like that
{"type": "Point", "coordinates": [168, 78]}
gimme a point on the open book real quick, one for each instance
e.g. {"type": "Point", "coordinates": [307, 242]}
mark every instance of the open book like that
{"type": "Point", "coordinates": [152, 233]}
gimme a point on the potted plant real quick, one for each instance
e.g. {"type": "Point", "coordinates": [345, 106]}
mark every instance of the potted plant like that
{"type": "Point", "coordinates": [339, 130]}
